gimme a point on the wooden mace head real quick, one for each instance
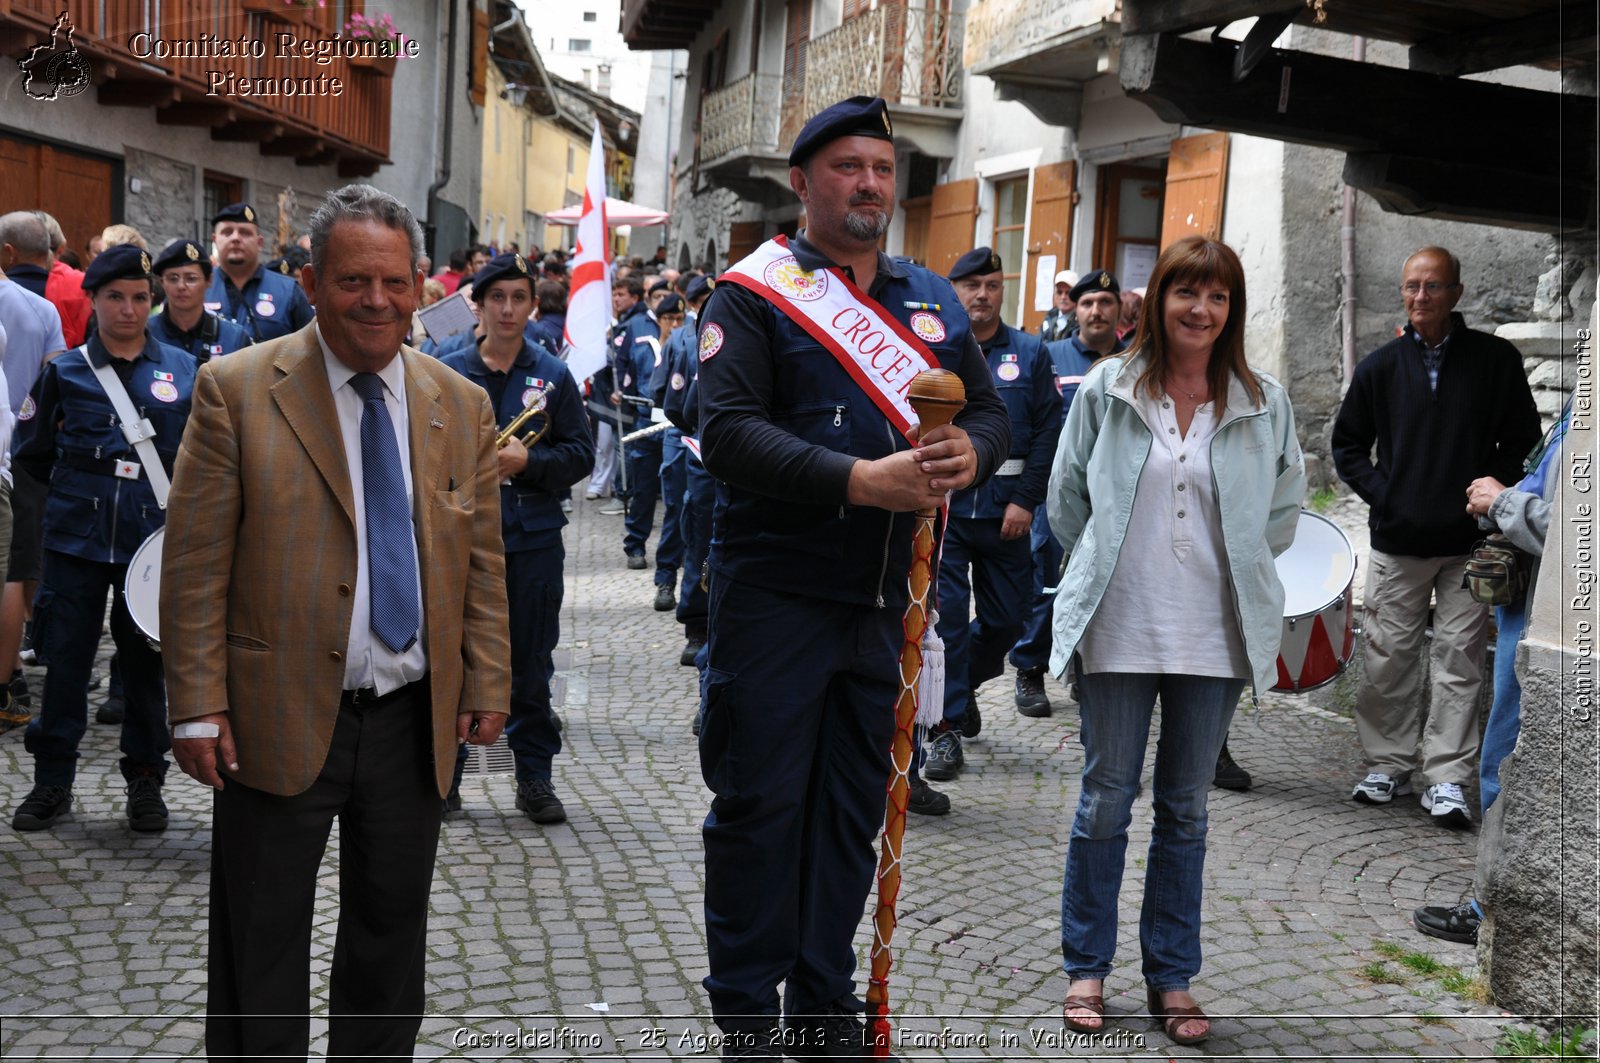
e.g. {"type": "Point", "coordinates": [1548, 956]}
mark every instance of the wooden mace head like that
{"type": "Point", "coordinates": [937, 395]}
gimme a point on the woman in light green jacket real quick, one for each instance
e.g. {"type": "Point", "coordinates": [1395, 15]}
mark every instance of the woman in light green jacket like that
{"type": "Point", "coordinates": [1177, 480]}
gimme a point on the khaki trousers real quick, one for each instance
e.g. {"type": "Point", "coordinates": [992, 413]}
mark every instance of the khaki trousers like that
{"type": "Point", "coordinates": [1389, 704]}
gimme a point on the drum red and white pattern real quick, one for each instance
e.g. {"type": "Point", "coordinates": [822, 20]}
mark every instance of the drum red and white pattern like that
{"type": "Point", "coordinates": [1318, 574]}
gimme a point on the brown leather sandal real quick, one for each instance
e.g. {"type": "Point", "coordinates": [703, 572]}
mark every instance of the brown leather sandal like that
{"type": "Point", "coordinates": [1096, 1004]}
{"type": "Point", "coordinates": [1173, 1016]}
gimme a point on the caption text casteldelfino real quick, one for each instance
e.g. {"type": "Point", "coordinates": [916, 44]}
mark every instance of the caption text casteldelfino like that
{"type": "Point", "coordinates": [284, 46]}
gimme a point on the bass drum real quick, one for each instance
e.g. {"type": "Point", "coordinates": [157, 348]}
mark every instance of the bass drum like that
{"type": "Point", "coordinates": [1318, 574]}
{"type": "Point", "coordinates": [141, 588]}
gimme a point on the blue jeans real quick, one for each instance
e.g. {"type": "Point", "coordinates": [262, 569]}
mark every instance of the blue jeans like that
{"type": "Point", "coordinates": [1505, 713]}
{"type": "Point", "coordinates": [1115, 709]}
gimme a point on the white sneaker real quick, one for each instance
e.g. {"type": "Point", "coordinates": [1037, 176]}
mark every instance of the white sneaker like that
{"type": "Point", "coordinates": [1379, 789]}
{"type": "Point", "coordinates": [1449, 808]}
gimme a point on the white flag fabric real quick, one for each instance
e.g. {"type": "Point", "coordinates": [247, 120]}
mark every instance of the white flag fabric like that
{"type": "Point", "coordinates": [589, 302]}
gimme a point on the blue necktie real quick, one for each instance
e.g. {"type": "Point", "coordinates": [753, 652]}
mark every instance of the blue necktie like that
{"type": "Point", "coordinates": [391, 546]}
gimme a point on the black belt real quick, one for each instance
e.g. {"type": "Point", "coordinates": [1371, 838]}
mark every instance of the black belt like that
{"type": "Point", "coordinates": [369, 698]}
{"type": "Point", "coordinates": [102, 466]}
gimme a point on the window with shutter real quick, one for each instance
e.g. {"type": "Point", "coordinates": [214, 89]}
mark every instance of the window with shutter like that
{"type": "Point", "coordinates": [954, 215]}
{"type": "Point", "coordinates": [1197, 179]}
{"type": "Point", "coordinates": [1049, 236]}
{"type": "Point", "coordinates": [796, 37]}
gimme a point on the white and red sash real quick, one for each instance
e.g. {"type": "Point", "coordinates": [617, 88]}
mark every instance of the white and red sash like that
{"type": "Point", "coordinates": [880, 354]}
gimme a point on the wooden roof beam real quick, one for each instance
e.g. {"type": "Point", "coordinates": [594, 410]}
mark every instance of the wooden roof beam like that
{"type": "Point", "coordinates": [1568, 30]}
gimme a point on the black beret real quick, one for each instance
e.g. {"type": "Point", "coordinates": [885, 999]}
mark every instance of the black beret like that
{"type": "Point", "coordinates": [509, 266]}
{"type": "Point", "coordinates": [236, 212]}
{"type": "Point", "coordinates": [670, 305]}
{"type": "Point", "coordinates": [699, 287]}
{"type": "Point", "coordinates": [859, 116]}
{"type": "Point", "coordinates": [1098, 281]}
{"type": "Point", "coordinates": [979, 260]}
{"type": "Point", "coordinates": [659, 286]}
{"type": "Point", "coordinates": [182, 253]}
{"type": "Point", "coordinates": [122, 262]}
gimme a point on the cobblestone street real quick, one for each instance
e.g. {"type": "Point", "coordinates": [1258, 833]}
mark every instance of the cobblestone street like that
{"type": "Point", "coordinates": [585, 940]}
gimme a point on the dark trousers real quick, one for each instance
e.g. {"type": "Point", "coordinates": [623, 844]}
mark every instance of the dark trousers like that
{"type": "Point", "coordinates": [674, 478]}
{"type": "Point", "coordinates": [644, 485]}
{"type": "Point", "coordinates": [69, 616]}
{"type": "Point", "coordinates": [984, 585]}
{"type": "Point", "coordinates": [534, 590]}
{"type": "Point", "coordinates": [265, 856]}
{"type": "Point", "coordinates": [799, 713]}
{"type": "Point", "coordinates": [700, 495]}
{"type": "Point", "coordinates": [1032, 651]}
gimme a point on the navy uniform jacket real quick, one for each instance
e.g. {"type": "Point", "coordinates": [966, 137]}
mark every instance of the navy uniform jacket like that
{"type": "Point", "coordinates": [782, 422]}
{"type": "Point", "coordinates": [630, 349]}
{"type": "Point", "coordinates": [271, 304]}
{"type": "Point", "coordinates": [1071, 360]}
{"type": "Point", "coordinates": [669, 389]}
{"type": "Point", "coordinates": [1026, 382]}
{"type": "Point", "coordinates": [68, 436]}
{"type": "Point", "coordinates": [530, 505]}
{"type": "Point", "coordinates": [212, 335]}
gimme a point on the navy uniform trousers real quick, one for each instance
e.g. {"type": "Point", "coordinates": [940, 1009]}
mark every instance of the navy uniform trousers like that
{"type": "Point", "coordinates": [989, 579]}
{"type": "Point", "coordinates": [795, 749]}
{"type": "Point", "coordinates": [1032, 651]}
{"type": "Point", "coordinates": [674, 474]}
{"type": "Point", "coordinates": [699, 499]}
{"type": "Point", "coordinates": [534, 591]}
{"type": "Point", "coordinates": [68, 618]}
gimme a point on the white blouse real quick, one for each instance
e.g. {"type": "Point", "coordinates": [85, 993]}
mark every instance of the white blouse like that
{"type": "Point", "coordinates": [1169, 608]}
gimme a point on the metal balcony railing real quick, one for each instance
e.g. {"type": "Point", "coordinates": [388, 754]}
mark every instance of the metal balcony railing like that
{"type": "Point", "coordinates": [909, 56]}
{"type": "Point", "coordinates": [741, 118]}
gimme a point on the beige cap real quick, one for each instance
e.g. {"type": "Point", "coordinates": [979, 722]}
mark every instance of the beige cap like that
{"type": "Point", "coordinates": [1067, 277]}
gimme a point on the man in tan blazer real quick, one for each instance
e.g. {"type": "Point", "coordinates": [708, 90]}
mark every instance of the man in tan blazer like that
{"type": "Point", "coordinates": [289, 689]}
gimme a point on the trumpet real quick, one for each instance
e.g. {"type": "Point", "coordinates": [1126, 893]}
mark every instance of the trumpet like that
{"type": "Point", "coordinates": [534, 408]}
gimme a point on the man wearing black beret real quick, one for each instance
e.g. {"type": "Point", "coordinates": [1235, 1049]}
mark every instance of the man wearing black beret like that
{"type": "Point", "coordinates": [984, 560]}
{"type": "Point", "coordinates": [183, 320]}
{"type": "Point", "coordinates": [805, 348]}
{"type": "Point", "coordinates": [265, 303]}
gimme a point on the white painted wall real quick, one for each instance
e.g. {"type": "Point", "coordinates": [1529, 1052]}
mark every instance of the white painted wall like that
{"type": "Point", "coordinates": [553, 24]}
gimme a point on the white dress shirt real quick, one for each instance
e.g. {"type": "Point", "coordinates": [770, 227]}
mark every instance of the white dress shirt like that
{"type": "Point", "coordinates": [367, 661]}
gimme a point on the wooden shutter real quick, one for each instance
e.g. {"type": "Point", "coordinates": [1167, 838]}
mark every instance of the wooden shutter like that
{"type": "Point", "coordinates": [479, 60]}
{"type": "Point", "coordinates": [743, 238]}
{"type": "Point", "coordinates": [954, 215]}
{"type": "Point", "coordinates": [1197, 179]}
{"type": "Point", "coordinates": [1049, 232]}
{"type": "Point", "coordinates": [796, 38]}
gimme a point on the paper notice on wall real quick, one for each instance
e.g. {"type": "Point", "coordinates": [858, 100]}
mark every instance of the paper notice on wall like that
{"type": "Point", "coordinates": [1044, 283]}
{"type": "Point", "coordinates": [1138, 262]}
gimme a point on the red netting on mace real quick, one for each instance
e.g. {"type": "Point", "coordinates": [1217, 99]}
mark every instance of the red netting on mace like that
{"type": "Point", "coordinates": [937, 395]}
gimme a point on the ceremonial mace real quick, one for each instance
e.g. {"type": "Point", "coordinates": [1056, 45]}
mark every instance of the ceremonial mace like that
{"type": "Point", "coordinates": [937, 395]}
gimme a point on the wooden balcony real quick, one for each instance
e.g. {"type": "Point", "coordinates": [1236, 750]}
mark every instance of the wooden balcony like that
{"type": "Point", "coordinates": [127, 49]}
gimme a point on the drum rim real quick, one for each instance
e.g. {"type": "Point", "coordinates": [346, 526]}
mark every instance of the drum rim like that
{"type": "Point", "coordinates": [151, 543]}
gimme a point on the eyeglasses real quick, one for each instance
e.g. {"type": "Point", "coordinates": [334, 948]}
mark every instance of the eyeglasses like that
{"type": "Point", "coordinates": [1433, 288]}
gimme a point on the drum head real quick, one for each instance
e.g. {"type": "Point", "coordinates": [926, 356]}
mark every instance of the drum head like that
{"type": "Point", "coordinates": [142, 589]}
{"type": "Point", "coordinates": [1317, 568]}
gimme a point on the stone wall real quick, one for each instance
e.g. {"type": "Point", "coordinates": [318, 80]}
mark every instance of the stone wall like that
{"type": "Point", "coordinates": [163, 209]}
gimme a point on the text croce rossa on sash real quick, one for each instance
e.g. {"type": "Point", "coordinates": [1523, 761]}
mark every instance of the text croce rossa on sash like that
{"type": "Point", "coordinates": [880, 354]}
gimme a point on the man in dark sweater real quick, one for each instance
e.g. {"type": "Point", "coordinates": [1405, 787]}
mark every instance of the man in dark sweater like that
{"type": "Point", "coordinates": [1444, 405]}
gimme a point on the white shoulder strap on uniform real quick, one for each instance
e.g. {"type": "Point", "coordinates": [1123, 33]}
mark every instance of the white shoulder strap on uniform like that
{"type": "Point", "coordinates": [137, 430]}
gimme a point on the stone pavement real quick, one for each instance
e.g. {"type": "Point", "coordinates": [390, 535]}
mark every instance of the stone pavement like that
{"type": "Point", "coordinates": [585, 940]}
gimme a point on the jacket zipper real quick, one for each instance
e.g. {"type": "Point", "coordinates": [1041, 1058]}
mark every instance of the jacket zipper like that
{"type": "Point", "coordinates": [1238, 613]}
{"type": "Point", "coordinates": [888, 531]}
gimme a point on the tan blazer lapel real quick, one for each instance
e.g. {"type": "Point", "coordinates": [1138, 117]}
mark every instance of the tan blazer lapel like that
{"type": "Point", "coordinates": [306, 400]}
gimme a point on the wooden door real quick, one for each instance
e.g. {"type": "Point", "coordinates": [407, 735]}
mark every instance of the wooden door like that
{"type": "Point", "coordinates": [743, 238]}
{"type": "Point", "coordinates": [1055, 192]}
{"type": "Point", "coordinates": [75, 189]}
{"type": "Point", "coordinates": [950, 228]}
{"type": "Point", "coordinates": [918, 212]}
{"type": "Point", "coordinates": [1197, 180]}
